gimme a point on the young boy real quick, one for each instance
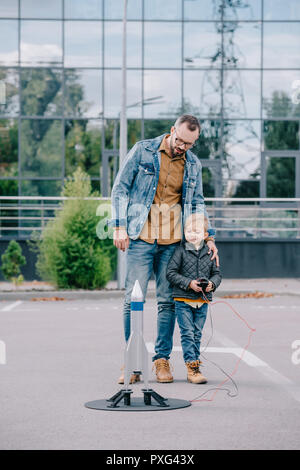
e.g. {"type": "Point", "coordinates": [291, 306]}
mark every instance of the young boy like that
{"type": "Point", "coordinates": [189, 263]}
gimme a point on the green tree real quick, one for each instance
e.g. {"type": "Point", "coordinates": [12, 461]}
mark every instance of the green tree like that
{"type": "Point", "coordinates": [12, 259]}
{"type": "Point", "coordinates": [70, 254]}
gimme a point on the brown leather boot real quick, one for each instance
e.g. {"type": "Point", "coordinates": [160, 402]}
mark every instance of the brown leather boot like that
{"type": "Point", "coordinates": [194, 375]}
{"type": "Point", "coordinates": [162, 370]}
{"type": "Point", "coordinates": [133, 379]}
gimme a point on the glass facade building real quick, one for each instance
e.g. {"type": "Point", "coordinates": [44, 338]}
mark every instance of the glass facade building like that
{"type": "Point", "coordinates": [235, 64]}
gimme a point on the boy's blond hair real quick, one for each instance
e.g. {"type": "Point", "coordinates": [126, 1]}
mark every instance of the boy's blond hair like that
{"type": "Point", "coordinates": [195, 219]}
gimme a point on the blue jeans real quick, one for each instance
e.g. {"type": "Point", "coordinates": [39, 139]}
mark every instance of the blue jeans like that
{"type": "Point", "coordinates": [191, 322]}
{"type": "Point", "coordinates": [142, 259]}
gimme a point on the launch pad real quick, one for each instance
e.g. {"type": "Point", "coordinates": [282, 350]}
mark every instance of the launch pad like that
{"type": "Point", "coordinates": [136, 361]}
{"type": "Point", "coordinates": [152, 401]}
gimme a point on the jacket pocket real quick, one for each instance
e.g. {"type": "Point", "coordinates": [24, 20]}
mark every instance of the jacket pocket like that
{"type": "Point", "coordinates": [146, 169]}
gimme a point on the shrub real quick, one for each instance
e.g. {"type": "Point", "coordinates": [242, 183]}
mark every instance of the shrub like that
{"type": "Point", "coordinates": [12, 259]}
{"type": "Point", "coordinates": [70, 255]}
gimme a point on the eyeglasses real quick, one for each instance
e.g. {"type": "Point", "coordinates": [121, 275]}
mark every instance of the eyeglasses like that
{"type": "Point", "coordinates": [180, 143]}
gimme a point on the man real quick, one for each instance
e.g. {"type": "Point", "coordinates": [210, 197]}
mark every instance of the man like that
{"type": "Point", "coordinates": [158, 186]}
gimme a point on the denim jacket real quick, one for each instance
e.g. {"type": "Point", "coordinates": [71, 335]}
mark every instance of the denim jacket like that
{"type": "Point", "coordinates": [136, 182]}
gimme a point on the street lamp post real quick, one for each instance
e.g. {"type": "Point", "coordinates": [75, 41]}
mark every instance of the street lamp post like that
{"type": "Point", "coordinates": [123, 142]}
{"type": "Point", "coordinates": [121, 270]}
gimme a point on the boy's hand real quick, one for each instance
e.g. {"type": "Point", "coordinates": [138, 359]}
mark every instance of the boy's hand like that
{"type": "Point", "coordinates": [195, 286]}
{"type": "Point", "coordinates": [209, 287]}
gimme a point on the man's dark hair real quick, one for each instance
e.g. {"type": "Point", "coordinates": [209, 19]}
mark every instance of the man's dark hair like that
{"type": "Point", "coordinates": [192, 122]}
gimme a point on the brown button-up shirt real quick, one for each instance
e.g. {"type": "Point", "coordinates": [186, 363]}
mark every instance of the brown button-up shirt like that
{"type": "Point", "coordinates": [164, 219]}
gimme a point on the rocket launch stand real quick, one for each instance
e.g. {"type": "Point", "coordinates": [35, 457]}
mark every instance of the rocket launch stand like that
{"type": "Point", "coordinates": [136, 362]}
{"type": "Point", "coordinates": [148, 394]}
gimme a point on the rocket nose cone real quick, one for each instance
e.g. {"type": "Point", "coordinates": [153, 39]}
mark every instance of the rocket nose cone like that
{"type": "Point", "coordinates": [137, 293]}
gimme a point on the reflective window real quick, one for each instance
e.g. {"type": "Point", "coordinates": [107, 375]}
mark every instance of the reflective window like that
{"type": "Point", "coordinates": [243, 188]}
{"type": "Point", "coordinates": [281, 45]}
{"type": "Point", "coordinates": [202, 92]}
{"type": "Point", "coordinates": [41, 92]}
{"type": "Point", "coordinates": [281, 176]}
{"type": "Point", "coordinates": [112, 132]}
{"type": "Point", "coordinates": [162, 94]}
{"type": "Point", "coordinates": [155, 54]}
{"type": "Point", "coordinates": [9, 8]}
{"type": "Point", "coordinates": [8, 147]}
{"type": "Point", "coordinates": [281, 93]}
{"type": "Point", "coordinates": [114, 10]}
{"type": "Point", "coordinates": [281, 135]}
{"type": "Point", "coordinates": [208, 144]}
{"type": "Point", "coordinates": [202, 9]}
{"type": "Point", "coordinates": [41, 147]}
{"type": "Point", "coordinates": [96, 185]}
{"type": "Point", "coordinates": [41, 43]}
{"type": "Point", "coordinates": [208, 183]}
{"type": "Point", "coordinates": [134, 131]}
{"type": "Point", "coordinates": [40, 188]}
{"type": "Point", "coordinates": [166, 10]}
{"type": "Point", "coordinates": [83, 146]}
{"type": "Point", "coordinates": [242, 45]}
{"type": "Point", "coordinates": [202, 45]}
{"type": "Point", "coordinates": [38, 9]}
{"type": "Point", "coordinates": [155, 127]}
{"type": "Point", "coordinates": [279, 10]}
{"type": "Point", "coordinates": [83, 44]}
{"type": "Point", "coordinates": [87, 10]}
{"type": "Point", "coordinates": [242, 148]}
{"type": "Point", "coordinates": [113, 44]}
{"type": "Point", "coordinates": [9, 92]}
{"type": "Point", "coordinates": [242, 10]}
{"type": "Point", "coordinates": [8, 42]}
{"type": "Point", "coordinates": [83, 92]}
{"type": "Point", "coordinates": [113, 93]}
{"type": "Point", "coordinates": [241, 92]}
{"type": "Point", "coordinates": [8, 188]}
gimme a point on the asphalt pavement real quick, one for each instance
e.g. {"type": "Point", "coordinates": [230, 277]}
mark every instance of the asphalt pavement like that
{"type": "Point", "coordinates": [62, 354]}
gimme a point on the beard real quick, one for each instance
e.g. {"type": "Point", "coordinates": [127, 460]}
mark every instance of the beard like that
{"type": "Point", "coordinates": [175, 151]}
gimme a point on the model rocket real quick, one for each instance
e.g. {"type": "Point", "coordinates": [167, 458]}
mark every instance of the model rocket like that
{"type": "Point", "coordinates": [136, 353]}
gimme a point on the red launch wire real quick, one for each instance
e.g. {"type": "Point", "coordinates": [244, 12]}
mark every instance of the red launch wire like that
{"type": "Point", "coordinates": [229, 376]}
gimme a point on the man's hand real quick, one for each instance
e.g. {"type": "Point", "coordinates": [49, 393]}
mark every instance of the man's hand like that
{"type": "Point", "coordinates": [121, 239]}
{"type": "Point", "coordinates": [195, 286]}
{"type": "Point", "coordinates": [212, 248]}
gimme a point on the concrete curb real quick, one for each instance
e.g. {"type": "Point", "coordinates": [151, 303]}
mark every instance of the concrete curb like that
{"type": "Point", "coordinates": [115, 293]}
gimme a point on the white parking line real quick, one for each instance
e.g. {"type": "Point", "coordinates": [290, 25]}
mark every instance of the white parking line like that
{"type": "Point", "coordinates": [2, 353]}
{"type": "Point", "coordinates": [11, 306]}
{"type": "Point", "coordinates": [263, 368]}
{"type": "Point", "coordinates": [250, 359]}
